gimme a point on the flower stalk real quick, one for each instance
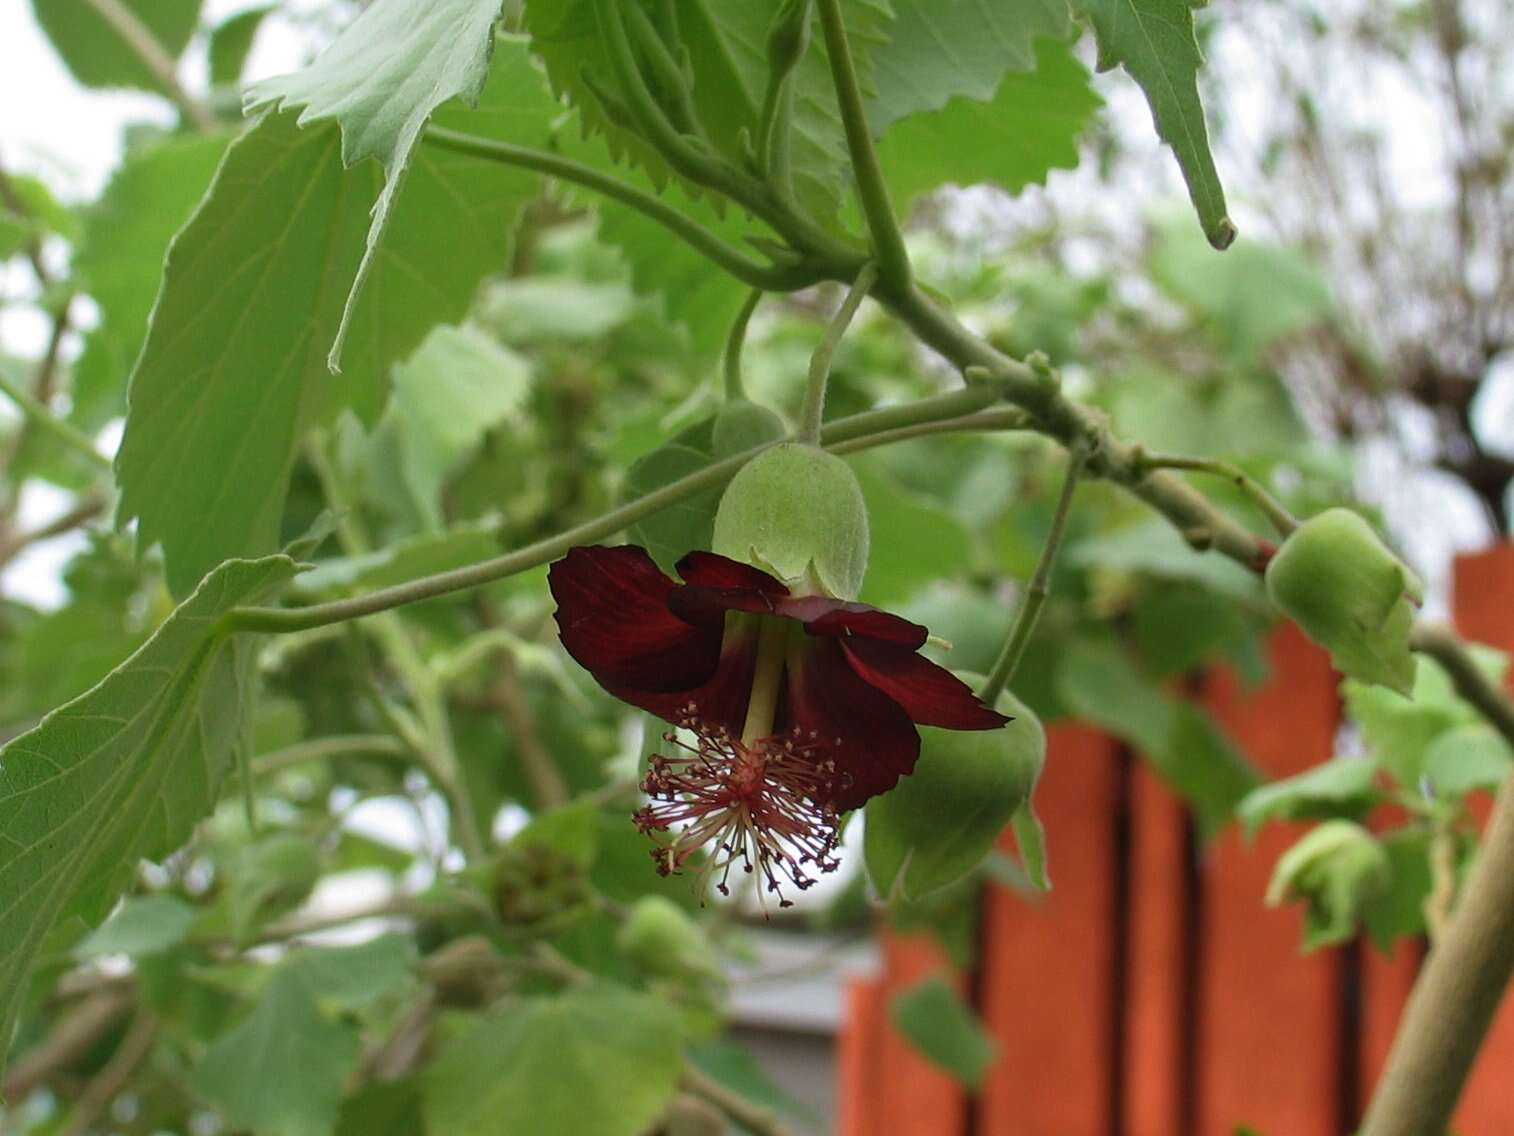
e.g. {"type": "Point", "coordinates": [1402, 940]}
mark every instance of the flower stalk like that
{"type": "Point", "coordinates": [813, 413]}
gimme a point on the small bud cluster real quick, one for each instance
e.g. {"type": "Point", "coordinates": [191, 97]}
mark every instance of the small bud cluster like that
{"type": "Point", "coordinates": [762, 804]}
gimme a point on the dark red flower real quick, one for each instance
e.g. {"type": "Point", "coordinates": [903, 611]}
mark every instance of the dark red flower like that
{"type": "Point", "coordinates": [803, 706]}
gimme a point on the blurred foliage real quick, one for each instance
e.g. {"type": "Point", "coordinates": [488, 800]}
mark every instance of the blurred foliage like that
{"type": "Point", "coordinates": [584, 372]}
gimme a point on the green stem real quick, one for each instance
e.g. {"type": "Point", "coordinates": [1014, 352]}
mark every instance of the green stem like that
{"type": "Point", "coordinates": [1039, 588]}
{"type": "Point", "coordinates": [984, 421]}
{"type": "Point", "coordinates": [888, 241]}
{"type": "Point", "coordinates": [319, 749]}
{"type": "Point", "coordinates": [734, 388]}
{"type": "Point", "coordinates": [856, 427]}
{"type": "Point", "coordinates": [813, 413]}
{"type": "Point", "coordinates": [1468, 969]}
{"type": "Point", "coordinates": [769, 277]}
{"type": "Point", "coordinates": [44, 419]}
{"type": "Point", "coordinates": [1282, 520]}
{"type": "Point", "coordinates": [432, 742]}
{"type": "Point", "coordinates": [139, 39]}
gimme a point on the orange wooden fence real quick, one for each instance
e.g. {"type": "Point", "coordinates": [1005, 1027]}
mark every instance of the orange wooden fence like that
{"type": "Point", "coordinates": [1151, 993]}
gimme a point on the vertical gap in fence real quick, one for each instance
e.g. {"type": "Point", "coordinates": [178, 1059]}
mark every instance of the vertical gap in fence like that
{"type": "Point", "coordinates": [1191, 970]}
{"type": "Point", "coordinates": [1349, 1041]}
{"type": "Point", "coordinates": [1120, 854]}
{"type": "Point", "coordinates": [1048, 972]}
{"type": "Point", "coordinates": [1156, 963]}
{"type": "Point", "coordinates": [1484, 607]}
{"type": "Point", "coordinates": [1268, 1015]}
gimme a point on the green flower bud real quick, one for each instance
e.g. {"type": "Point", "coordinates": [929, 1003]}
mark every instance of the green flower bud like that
{"type": "Point", "coordinates": [938, 823]}
{"type": "Point", "coordinates": [788, 36]}
{"type": "Point", "coordinates": [742, 425]}
{"type": "Point", "coordinates": [797, 512]}
{"type": "Point", "coordinates": [662, 939]}
{"type": "Point", "coordinates": [1351, 595]}
{"type": "Point", "coordinates": [1335, 869]}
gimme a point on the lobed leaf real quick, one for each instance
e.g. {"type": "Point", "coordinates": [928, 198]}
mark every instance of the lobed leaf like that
{"type": "Point", "coordinates": [124, 771]}
{"type": "Point", "coordinates": [380, 80]}
{"type": "Point", "coordinates": [1154, 40]}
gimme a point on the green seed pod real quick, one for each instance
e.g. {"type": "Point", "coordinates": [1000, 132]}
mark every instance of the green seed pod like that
{"type": "Point", "coordinates": [1335, 869]}
{"type": "Point", "coordinates": [938, 823]}
{"type": "Point", "coordinates": [1351, 595]}
{"type": "Point", "coordinates": [662, 939]}
{"type": "Point", "coordinates": [797, 512]}
{"type": "Point", "coordinates": [742, 425]}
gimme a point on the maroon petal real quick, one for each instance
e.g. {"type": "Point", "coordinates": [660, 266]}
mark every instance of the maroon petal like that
{"type": "Point", "coordinates": [703, 606]}
{"type": "Point", "coordinates": [822, 615]}
{"type": "Point", "coordinates": [718, 702]}
{"type": "Point", "coordinates": [613, 618]}
{"type": "Point", "coordinates": [867, 734]}
{"type": "Point", "coordinates": [930, 695]}
{"type": "Point", "coordinates": [711, 570]}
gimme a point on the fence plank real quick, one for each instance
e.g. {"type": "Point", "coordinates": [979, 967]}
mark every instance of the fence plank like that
{"type": "Point", "coordinates": [1484, 606]}
{"type": "Point", "coordinates": [859, 1066]}
{"type": "Point", "coordinates": [1157, 963]}
{"type": "Point", "coordinates": [1269, 1029]}
{"type": "Point", "coordinates": [1386, 982]}
{"type": "Point", "coordinates": [1047, 979]}
{"type": "Point", "coordinates": [915, 1096]}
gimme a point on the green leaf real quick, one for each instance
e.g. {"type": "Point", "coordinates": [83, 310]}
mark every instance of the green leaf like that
{"type": "Point", "coordinates": [353, 978]}
{"type": "Point", "coordinates": [1155, 41]}
{"type": "Point", "coordinates": [381, 79]}
{"type": "Point", "coordinates": [120, 260]}
{"type": "Point", "coordinates": [142, 925]}
{"type": "Point", "coordinates": [570, 830]}
{"type": "Point", "coordinates": [1182, 743]}
{"type": "Point", "coordinates": [232, 372]}
{"type": "Point", "coordinates": [40, 213]}
{"type": "Point", "coordinates": [1397, 911]}
{"type": "Point", "coordinates": [231, 43]}
{"type": "Point", "coordinates": [1335, 869]}
{"type": "Point", "coordinates": [124, 771]}
{"type": "Point", "coordinates": [727, 59]}
{"type": "Point", "coordinates": [913, 540]}
{"type": "Point", "coordinates": [1027, 129]}
{"type": "Point", "coordinates": [1154, 546]}
{"type": "Point", "coordinates": [457, 387]}
{"type": "Point", "coordinates": [1401, 730]}
{"type": "Point", "coordinates": [937, 50]}
{"type": "Point", "coordinates": [1474, 756]}
{"type": "Point", "coordinates": [97, 55]}
{"type": "Point", "coordinates": [1342, 786]}
{"type": "Point", "coordinates": [598, 1058]}
{"type": "Point", "coordinates": [268, 878]}
{"type": "Point", "coordinates": [1030, 836]}
{"type": "Point", "coordinates": [690, 523]}
{"type": "Point", "coordinates": [534, 309]}
{"type": "Point", "coordinates": [938, 1023]}
{"type": "Point", "coordinates": [282, 1071]}
{"type": "Point", "coordinates": [1224, 288]}
{"type": "Point", "coordinates": [419, 555]}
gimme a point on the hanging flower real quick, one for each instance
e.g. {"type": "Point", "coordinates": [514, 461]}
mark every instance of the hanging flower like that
{"type": "Point", "coordinates": [800, 707]}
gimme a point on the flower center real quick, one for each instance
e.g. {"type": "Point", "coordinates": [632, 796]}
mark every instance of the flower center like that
{"type": "Point", "coordinates": [757, 803]}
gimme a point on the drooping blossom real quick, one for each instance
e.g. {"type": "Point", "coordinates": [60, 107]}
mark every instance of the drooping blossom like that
{"type": "Point", "coordinates": [800, 707]}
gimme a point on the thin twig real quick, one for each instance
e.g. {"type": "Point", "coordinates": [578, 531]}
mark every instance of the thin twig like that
{"type": "Point", "coordinates": [11, 198]}
{"type": "Point", "coordinates": [84, 511]}
{"type": "Point", "coordinates": [319, 749]}
{"type": "Point", "coordinates": [1282, 520]}
{"type": "Point", "coordinates": [145, 46]}
{"type": "Point", "coordinates": [72, 1036]}
{"type": "Point", "coordinates": [753, 1117]}
{"type": "Point", "coordinates": [734, 343]}
{"type": "Point", "coordinates": [66, 432]}
{"type": "Point", "coordinates": [111, 1079]}
{"type": "Point", "coordinates": [770, 277]}
{"type": "Point", "coordinates": [813, 413]}
{"type": "Point", "coordinates": [1040, 586]}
